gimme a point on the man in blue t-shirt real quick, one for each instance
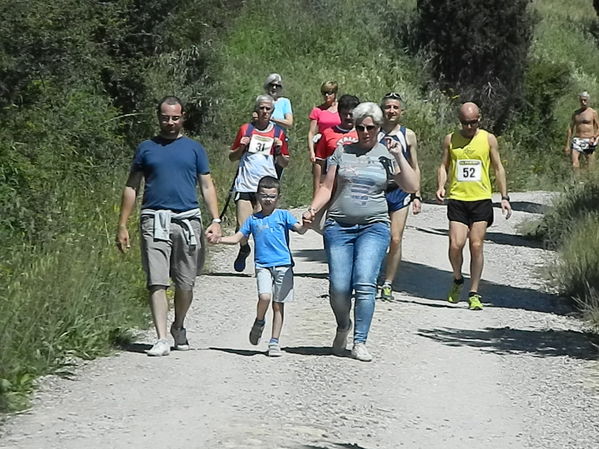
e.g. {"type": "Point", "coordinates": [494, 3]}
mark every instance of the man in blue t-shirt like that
{"type": "Point", "coordinates": [274, 273]}
{"type": "Point", "coordinates": [171, 166]}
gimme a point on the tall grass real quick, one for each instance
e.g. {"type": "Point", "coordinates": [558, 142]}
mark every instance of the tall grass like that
{"type": "Point", "coordinates": [73, 297]}
{"type": "Point", "coordinates": [577, 271]}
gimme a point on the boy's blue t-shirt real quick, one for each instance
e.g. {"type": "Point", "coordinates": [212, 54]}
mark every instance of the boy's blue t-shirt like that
{"type": "Point", "coordinates": [271, 237]}
{"type": "Point", "coordinates": [171, 170]}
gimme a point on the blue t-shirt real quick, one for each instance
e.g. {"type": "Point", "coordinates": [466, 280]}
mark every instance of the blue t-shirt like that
{"type": "Point", "coordinates": [271, 237]}
{"type": "Point", "coordinates": [171, 170]}
{"type": "Point", "coordinates": [282, 107]}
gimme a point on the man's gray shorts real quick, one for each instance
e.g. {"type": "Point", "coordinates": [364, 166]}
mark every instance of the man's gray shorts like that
{"type": "Point", "coordinates": [276, 281]}
{"type": "Point", "coordinates": [174, 259]}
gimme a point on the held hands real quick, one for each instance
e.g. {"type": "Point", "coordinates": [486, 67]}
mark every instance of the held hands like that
{"type": "Point", "coordinates": [308, 217]}
{"type": "Point", "coordinates": [213, 233]}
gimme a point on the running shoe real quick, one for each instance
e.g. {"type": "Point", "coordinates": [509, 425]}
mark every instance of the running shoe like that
{"type": "Point", "coordinates": [359, 352]}
{"type": "Point", "coordinates": [274, 350]}
{"type": "Point", "coordinates": [256, 333]}
{"type": "Point", "coordinates": [239, 264]}
{"type": "Point", "coordinates": [180, 336]}
{"type": "Point", "coordinates": [160, 348]}
{"type": "Point", "coordinates": [387, 292]}
{"type": "Point", "coordinates": [340, 341]}
{"type": "Point", "coordinates": [454, 293]}
{"type": "Point", "coordinates": [474, 302]}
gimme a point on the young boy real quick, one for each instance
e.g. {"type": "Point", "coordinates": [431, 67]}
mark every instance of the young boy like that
{"type": "Point", "coordinates": [274, 274]}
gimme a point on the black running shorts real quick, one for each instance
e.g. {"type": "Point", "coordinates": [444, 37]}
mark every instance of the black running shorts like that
{"type": "Point", "coordinates": [246, 196]}
{"type": "Point", "coordinates": [469, 212]}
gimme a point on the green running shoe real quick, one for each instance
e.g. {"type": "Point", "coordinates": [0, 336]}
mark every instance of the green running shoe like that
{"type": "Point", "coordinates": [386, 292]}
{"type": "Point", "coordinates": [454, 293]}
{"type": "Point", "coordinates": [474, 302]}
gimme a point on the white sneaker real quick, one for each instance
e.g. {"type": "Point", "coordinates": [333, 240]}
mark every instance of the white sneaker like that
{"type": "Point", "coordinates": [274, 350]}
{"type": "Point", "coordinates": [160, 348]}
{"type": "Point", "coordinates": [340, 341]}
{"type": "Point", "coordinates": [359, 352]}
{"type": "Point", "coordinates": [180, 336]}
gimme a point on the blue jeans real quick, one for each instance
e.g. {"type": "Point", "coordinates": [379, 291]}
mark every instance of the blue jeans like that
{"type": "Point", "coordinates": [355, 254]}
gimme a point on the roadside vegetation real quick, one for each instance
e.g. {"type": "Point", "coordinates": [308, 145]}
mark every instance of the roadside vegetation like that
{"type": "Point", "coordinates": [74, 102]}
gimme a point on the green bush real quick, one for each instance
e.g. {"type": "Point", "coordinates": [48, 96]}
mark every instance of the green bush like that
{"type": "Point", "coordinates": [478, 52]}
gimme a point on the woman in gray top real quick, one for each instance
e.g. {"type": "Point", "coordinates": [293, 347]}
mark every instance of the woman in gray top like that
{"type": "Point", "coordinates": [356, 231]}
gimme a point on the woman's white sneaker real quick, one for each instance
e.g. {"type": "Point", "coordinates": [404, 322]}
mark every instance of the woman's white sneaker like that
{"type": "Point", "coordinates": [359, 352]}
{"type": "Point", "coordinates": [160, 348]}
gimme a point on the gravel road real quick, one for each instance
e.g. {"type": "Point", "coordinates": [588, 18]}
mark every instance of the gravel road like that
{"type": "Point", "coordinates": [519, 374]}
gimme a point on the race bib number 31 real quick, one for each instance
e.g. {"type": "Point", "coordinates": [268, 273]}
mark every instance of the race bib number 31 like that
{"type": "Point", "coordinates": [469, 170]}
{"type": "Point", "coordinates": [260, 144]}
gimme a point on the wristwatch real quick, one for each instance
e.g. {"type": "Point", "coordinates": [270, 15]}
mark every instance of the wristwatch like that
{"type": "Point", "coordinates": [216, 220]}
{"type": "Point", "coordinates": [505, 197]}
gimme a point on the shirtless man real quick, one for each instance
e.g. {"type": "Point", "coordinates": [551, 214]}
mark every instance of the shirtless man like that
{"type": "Point", "coordinates": [582, 132]}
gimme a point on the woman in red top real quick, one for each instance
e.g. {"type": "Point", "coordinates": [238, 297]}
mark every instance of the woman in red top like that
{"type": "Point", "coordinates": [322, 117]}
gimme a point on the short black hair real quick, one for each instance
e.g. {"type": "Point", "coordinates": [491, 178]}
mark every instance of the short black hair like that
{"type": "Point", "coordinates": [171, 100]}
{"type": "Point", "coordinates": [269, 182]}
{"type": "Point", "coordinates": [348, 102]}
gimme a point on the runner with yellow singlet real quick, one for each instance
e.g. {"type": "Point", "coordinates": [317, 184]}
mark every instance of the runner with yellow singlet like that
{"type": "Point", "coordinates": [467, 158]}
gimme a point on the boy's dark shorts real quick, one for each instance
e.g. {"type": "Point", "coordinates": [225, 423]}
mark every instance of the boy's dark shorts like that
{"type": "Point", "coordinates": [469, 212]}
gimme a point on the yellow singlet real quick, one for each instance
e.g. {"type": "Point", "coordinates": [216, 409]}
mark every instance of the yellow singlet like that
{"type": "Point", "coordinates": [469, 167]}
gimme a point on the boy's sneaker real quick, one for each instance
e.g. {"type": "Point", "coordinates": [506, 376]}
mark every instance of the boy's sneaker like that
{"type": "Point", "coordinates": [474, 302]}
{"type": "Point", "coordinates": [386, 292]}
{"type": "Point", "coordinates": [274, 350]}
{"type": "Point", "coordinates": [160, 348]}
{"type": "Point", "coordinates": [239, 264]}
{"type": "Point", "coordinates": [180, 336]}
{"type": "Point", "coordinates": [359, 352]}
{"type": "Point", "coordinates": [455, 291]}
{"type": "Point", "coordinates": [340, 341]}
{"type": "Point", "coordinates": [256, 333]}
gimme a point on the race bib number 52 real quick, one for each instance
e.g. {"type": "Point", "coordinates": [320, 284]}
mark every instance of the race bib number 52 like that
{"type": "Point", "coordinates": [469, 170]}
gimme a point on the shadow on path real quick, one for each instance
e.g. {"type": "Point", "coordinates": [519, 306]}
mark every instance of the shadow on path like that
{"type": "Point", "coordinates": [309, 350]}
{"type": "Point", "coordinates": [505, 340]}
{"type": "Point", "coordinates": [311, 255]}
{"type": "Point", "coordinates": [432, 283]}
{"type": "Point", "coordinates": [498, 238]}
{"type": "Point", "coordinates": [526, 206]}
{"type": "Point", "coordinates": [140, 348]}
{"type": "Point", "coordinates": [330, 446]}
{"type": "Point", "coordinates": [243, 352]}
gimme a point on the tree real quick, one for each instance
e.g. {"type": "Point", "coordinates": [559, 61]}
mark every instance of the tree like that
{"type": "Point", "coordinates": [478, 51]}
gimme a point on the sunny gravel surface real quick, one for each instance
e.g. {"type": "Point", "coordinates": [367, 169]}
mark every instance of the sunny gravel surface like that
{"type": "Point", "coordinates": [519, 374]}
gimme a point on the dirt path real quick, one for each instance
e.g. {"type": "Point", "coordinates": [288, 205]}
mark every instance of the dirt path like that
{"type": "Point", "coordinates": [519, 374]}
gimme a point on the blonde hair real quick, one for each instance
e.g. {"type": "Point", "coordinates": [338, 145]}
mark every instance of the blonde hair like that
{"type": "Point", "coordinates": [329, 86]}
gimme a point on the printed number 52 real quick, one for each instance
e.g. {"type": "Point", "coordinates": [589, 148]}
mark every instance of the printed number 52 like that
{"type": "Point", "coordinates": [468, 172]}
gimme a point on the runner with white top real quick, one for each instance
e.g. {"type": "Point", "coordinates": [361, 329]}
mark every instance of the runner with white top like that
{"type": "Point", "coordinates": [257, 147]}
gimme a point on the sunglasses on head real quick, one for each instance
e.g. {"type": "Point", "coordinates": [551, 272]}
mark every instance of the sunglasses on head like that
{"type": "Point", "coordinates": [368, 128]}
{"type": "Point", "coordinates": [393, 95]}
